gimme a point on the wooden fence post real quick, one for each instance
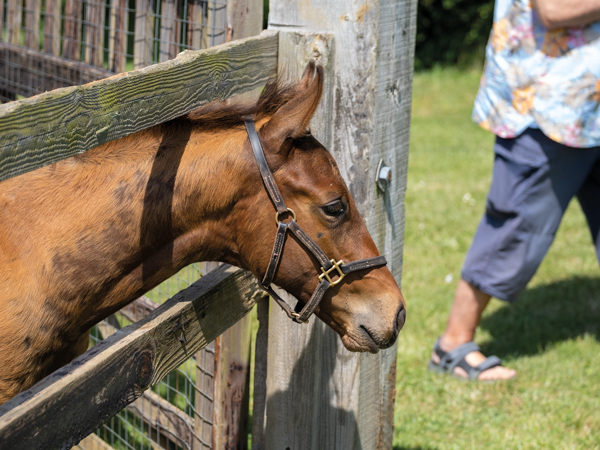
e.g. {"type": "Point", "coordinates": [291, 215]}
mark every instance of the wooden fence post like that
{"type": "Point", "coordinates": [319, 395]}
{"type": "Point", "coordinates": [144, 33]}
{"type": "Point", "coordinates": [32, 23]}
{"type": "Point", "coordinates": [52, 27]}
{"type": "Point", "coordinates": [94, 33]}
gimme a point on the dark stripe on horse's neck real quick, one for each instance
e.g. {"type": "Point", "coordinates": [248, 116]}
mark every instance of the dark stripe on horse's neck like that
{"type": "Point", "coordinates": [157, 214]}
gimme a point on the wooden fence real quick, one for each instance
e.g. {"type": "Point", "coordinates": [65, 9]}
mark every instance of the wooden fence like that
{"type": "Point", "coordinates": [49, 44]}
{"type": "Point", "coordinates": [309, 392]}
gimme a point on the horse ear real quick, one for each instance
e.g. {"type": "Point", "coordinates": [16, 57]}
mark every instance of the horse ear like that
{"type": "Point", "coordinates": [291, 120]}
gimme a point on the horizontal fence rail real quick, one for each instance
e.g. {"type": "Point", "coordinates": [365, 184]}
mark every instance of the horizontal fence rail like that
{"type": "Point", "coordinates": [44, 129]}
{"type": "Point", "coordinates": [75, 400]}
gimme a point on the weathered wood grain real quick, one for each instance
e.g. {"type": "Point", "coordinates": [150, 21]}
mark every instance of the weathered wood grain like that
{"type": "Point", "coordinates": [112, 31]}
{"type": "Point", "coordinates": [196, 18]}
{"type": "Point", "coordinates": [244, 18]}
{"type": "Point", "coordinates": [32, 23]}
{"type": "Point", "coordinates": [144, 31]}
{"type": "Point", "coordinates": [168, 27]}
{"type": "Point", "coordinates": [92, 442]}
{"type": "Point", "coordinates": [215, 24]}
{"type": "Point", "coordinates": [259, 407]}
{"type": "Point", "coordinates": [161, 415]}
{"type": "Point", "coordinates": [94, 33]}
{"type": "Point", "coordinates": [2, 21]}
{"type": "Point", "coordinates": [232, 387]}
{"type": "Point", "coordinates": [14, 10]}
{"type": "Point", "coordinates": [119, 34]}
{"type": "Point", "coordinates": [138, 309]}
{"type": "Point", "coordinates": [75, 400]}
{"type": "Point", "coordinates": [72, 33]}
{"type": "Point", "coordinates": [205, 381]}
{"type": "Point", "coordinates": [351, 398]}
{"type": "Point", "coordinates": [44, 129]}
{"type": "Point", "coordinates": [52, 27]}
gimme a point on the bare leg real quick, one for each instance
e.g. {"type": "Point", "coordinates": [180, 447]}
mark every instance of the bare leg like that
{"type": "Point", "coordinates": [465, 316]}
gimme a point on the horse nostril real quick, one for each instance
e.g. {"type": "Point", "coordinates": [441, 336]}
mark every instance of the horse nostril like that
{"type": "Point", "coordinates": [400, 319]}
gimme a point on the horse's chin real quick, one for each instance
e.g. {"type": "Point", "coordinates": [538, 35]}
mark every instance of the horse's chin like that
{"type": "Point", "coordinates": [361, 342]}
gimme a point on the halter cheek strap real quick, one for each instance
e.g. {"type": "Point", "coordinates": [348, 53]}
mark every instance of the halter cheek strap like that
{"type": "Point", "coordinates": [333, 271]}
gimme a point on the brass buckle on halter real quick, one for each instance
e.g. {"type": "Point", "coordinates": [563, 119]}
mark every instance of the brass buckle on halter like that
{"type": "Point", "coordinates": [336, 266]}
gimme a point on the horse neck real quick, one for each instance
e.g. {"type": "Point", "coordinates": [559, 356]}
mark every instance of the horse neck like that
{"type": "Point", "coordinates": [138, 210]}
{"type": "Point", "coordinates": [190, 188]}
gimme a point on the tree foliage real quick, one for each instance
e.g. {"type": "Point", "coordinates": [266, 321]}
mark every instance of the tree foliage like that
{"type": "Point", "coordinates": [451, 32]}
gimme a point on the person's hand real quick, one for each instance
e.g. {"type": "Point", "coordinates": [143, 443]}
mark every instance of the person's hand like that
{"type": "Point", "coordinates": [567, 13]}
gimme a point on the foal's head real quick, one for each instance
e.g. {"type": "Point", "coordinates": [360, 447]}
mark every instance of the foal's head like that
{"type": "Point", "coordinates": [366, 308]}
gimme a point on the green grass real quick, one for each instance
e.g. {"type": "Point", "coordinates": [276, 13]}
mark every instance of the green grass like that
{"type": "Point", "coordinates": [550, 335]}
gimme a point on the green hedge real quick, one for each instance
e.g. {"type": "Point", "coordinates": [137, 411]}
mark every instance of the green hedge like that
{"type": "Point", "coordinates": [451, 32]}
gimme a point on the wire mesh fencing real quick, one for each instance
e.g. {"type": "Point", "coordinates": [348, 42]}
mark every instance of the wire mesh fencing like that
{"type": "Point", "coordinates": [47, 44]}
{"type": "Point", "coordinates": [177, 413]}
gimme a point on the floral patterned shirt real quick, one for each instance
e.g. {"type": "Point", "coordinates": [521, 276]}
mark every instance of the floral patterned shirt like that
{"type": "Point", "coordinates": [535, 77]}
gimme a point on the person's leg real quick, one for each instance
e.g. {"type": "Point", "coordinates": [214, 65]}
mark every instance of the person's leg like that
{"type": "Point", "coordinates": [533, 181]}
{"type": "Point", "coordinates": [589, 199]}
{"type": "Point", "coordinates": [465, 315]}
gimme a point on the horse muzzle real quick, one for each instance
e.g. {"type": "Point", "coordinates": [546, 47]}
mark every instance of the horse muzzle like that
{"type": "Point", "coordinates": [370, 335]}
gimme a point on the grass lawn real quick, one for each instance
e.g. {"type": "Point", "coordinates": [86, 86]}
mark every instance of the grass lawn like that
{"type": "Point", "coordinates": [550, 336]}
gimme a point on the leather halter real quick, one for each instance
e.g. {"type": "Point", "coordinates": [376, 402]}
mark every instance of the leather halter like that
{"type": "Point", "coordinates": [329, 267]}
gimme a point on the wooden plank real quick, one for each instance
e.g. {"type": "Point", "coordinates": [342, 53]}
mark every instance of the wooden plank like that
{"type": "Point", "coordinates": [215, 24]}
{"type": "Point", "coordinates": [161, 415]}
{"type": "Point", "coordinates": [244, 18]}
{"type": "Point", "coordinates": [112, 31]}
{"type": "Point", "coordinates": [118, 35]}
{"type": "Point", "coordinates": [311, 383]}
{"type": "Point", "coordinates": [27, 79]}
{"type": "Point", "coordinates": [144, 33]}
{"type": "Point", "coordinates": [139, 309]}
{"type": "Point", "coordinates": [232, 387]}
{"type": "Point", "coordinates": [168, 27]}
{"type": "Point", "coordinates": [92, 442]}
{"type": "Point", "coordinates": [205, 381]}
{"type": "Point", "coordinates": [32, 23]}
{"type": "Point", "coordinates": [76, 399]}
{"type": "Point", "coordinates": [350, 402]}
{"type": "Point", "coordinates": [52, 27]}
{"type": "Point", "coordinates": [14, 11]}
{"type": "Point", "coordinates": [44, 129]}
{"type": "Point", "coordinates": [2, 21]}
{"type": "Point", "coordinates": [72, 34]}
{"type": "Point", "coordinates": [259, 407]}
{"type": "Point", "coordinates": [94, 33]}
{"type": "Point", "coordinates": [196, 20]}
{"type": "Point", "coordinates": [205, 386]}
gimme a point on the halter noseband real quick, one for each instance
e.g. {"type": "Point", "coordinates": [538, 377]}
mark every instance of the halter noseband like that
{"type": "Point", "coordinates": [329, 267]}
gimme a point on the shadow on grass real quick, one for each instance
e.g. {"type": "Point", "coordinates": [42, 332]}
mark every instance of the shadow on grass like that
{"type": "Point", "coordinates": [543, 316]}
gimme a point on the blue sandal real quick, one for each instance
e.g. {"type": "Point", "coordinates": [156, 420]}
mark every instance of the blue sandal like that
{"type": "Point", "coordinates": [456, 358]}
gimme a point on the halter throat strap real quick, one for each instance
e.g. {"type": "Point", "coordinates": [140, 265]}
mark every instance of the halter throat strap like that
{"type": "Point", "coordinates": [332, 271]}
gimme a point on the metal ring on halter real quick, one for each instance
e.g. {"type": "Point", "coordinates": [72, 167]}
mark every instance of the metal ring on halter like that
{"type": "Point", "coordinates": [277, 221]}
{"type": "Point", "coordinates": [295, 314]}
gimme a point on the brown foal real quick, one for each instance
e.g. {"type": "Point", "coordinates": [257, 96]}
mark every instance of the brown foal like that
{"type": "Point", "coordinates": [83, 237]}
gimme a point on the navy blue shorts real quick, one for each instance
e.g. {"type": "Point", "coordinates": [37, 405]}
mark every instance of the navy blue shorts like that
{"type": "Point", "coordinates": [534, 179]}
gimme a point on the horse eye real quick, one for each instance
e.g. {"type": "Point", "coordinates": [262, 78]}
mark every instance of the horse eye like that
{"type": "Point", "coordinates": [335, 208]}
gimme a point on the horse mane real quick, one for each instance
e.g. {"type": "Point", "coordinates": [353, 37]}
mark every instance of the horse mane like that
{"type": "Point", "coordinates": [226, 114]}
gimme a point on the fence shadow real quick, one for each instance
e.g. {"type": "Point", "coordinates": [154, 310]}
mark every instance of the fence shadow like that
{"type": "Point", "coordinates": [315, 422]}
{"type": "Point", "coordinates": [545, 315]}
